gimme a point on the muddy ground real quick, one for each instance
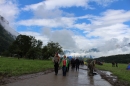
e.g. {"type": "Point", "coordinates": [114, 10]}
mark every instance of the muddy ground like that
{"type": "Point", "coordinates": [112, 79]}
{"type": "Point", "coordinates": [104, 74]}
{"type": "Point", "coordinates": [6, 79]}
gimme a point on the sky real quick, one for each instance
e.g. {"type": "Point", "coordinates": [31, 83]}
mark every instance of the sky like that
{"type": "Point", "coordinates": [75, 24]}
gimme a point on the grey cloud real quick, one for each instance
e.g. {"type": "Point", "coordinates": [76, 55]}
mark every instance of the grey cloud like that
{"type": "Point", "coordinates": [114, 44]}
{"type": "Point", "coordinates": [41, 12]}
{"type": "Point", "coordinates": [109, 45]}
{"type": "Point", "coordinates": [47, 32]}
{"type": "Point", "coordinates": [63, 37]}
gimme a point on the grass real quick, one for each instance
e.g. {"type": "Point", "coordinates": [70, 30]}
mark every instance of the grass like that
{"type": "Point", "coordinates": [15, 67]}
{"type": "Point", "coordinates": [119, 71]}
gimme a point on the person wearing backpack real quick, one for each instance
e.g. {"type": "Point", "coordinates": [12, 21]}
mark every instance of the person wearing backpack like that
{"type": "Point", "coordinates": [56, 61]}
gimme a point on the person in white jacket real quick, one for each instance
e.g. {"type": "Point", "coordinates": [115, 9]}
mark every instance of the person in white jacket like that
{"type": "Point", "coordinates": [56, 61]}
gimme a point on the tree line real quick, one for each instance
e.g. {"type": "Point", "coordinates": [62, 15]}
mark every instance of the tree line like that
{"type": "Point", "coordinates": [122, 58]}
{"type": "Point", "coordinates": [28, 47]}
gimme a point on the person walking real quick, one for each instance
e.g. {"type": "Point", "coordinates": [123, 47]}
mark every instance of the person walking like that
{"type": "Point", "coordinates": [77, 62]}
{"type": "Point", "coordinates": [56, 63]}
{"type": "Point", "coordinates": [72, 63]}
{"type": "Point", "coordinates": [67, 64]}
{"type": "Point", "coordinates": [64, 62]}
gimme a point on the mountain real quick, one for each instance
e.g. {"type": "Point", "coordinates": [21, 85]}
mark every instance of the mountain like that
{"type": "Point", "coordinates": [5, 24]}
{"type": "Point", "coordinates": [94, 50]}
{"type": "Point", "coordinates": [81, 52]}
{"type": "Point", "coordinates": [7, 34]}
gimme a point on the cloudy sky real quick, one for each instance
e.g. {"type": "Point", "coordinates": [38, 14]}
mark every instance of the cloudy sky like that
{"type": "Point", "coordinates": [74, 24]}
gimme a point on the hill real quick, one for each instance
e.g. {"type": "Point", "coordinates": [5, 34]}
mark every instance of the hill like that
{"type": "Point", "coordinates": [6, 35]}
{"type": "Point", "coordinates": [122, 58]}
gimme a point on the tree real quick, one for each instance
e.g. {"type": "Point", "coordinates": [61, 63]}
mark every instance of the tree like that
{"type": "Point", "coordinates": [50, 49]}
{"type": "Point", "coordinates": [35, 51]}
{"type": "Point", "coordinates": [45, 52]}
{"type": "Point", "coordinates": [21, 45]}
{"type": "Point", "coordinates": [26, 46]}
{"type": "Point", "coordinates": [29, 47]}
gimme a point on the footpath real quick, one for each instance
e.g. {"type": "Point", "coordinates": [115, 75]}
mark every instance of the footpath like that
{"type": "Point", "coordinates": [73, 78]}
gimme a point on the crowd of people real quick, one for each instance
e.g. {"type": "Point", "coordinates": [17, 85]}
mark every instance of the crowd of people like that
{"type": "Point", "coordinates": [66, 62]}
{"type": "Point", "coordinates": [74, 63]}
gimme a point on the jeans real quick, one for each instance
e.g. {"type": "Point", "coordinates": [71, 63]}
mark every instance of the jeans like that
{"type": "Point", "coordinates": [56, 68]}
{"type": "Point", "coordinates": [64, 70]}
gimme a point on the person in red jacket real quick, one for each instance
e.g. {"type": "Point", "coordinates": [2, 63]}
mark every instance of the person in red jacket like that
{"type": "Point", "coordinates": [64, 65]}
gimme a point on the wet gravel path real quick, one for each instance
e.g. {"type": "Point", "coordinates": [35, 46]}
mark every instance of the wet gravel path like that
{"type": "Point", "coordinates": [73, 78]}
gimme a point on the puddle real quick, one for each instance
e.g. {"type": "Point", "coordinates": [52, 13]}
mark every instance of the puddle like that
{"type": "Point", "coordinates": [109, 75]}
{"type": "Point", "coordinates": [85, 80]}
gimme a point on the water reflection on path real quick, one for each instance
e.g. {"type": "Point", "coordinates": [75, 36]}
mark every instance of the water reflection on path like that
{"type": "Point", "coordinates": [85, 80]}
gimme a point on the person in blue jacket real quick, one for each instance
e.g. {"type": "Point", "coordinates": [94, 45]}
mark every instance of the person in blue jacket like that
{"type": "Point", "coordinates": [128, 67]}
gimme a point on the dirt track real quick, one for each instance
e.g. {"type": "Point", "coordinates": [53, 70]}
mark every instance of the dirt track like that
{"type": "Point", "coordinates": [47, 78]}
{"type": "Point", "coordinates": [73, 78]}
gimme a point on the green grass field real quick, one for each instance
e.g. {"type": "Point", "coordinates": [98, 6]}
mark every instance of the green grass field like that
{"type": "Point", "coordinates": [119, 71]}
{"type": "Point", "coordinates": [14, 67]}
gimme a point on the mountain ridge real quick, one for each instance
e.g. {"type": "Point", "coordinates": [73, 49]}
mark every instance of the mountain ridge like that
{"type": "Point", "coordinates": [7, 35]}
{"type": "Point", "coordinates": [5, 24]}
